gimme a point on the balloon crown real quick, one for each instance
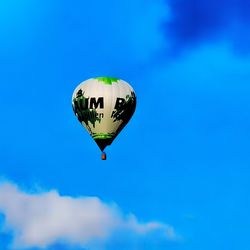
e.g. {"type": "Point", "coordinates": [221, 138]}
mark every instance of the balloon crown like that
{"type": "Point", "coordinates": [107, 80]}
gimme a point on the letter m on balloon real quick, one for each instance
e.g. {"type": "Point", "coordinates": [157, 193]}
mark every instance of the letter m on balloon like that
{"type": "Point", "coordinates": [96, 102]}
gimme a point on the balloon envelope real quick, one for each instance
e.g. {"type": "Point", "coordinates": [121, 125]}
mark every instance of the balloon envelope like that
{"type": "Point", "coordinates": [104, 105]}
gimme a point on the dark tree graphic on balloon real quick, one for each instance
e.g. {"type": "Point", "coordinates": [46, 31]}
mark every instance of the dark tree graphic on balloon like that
{"type": "Point", "coordinates": [83, 113]}
{"type": "Point", "coordinates": [124, 111]}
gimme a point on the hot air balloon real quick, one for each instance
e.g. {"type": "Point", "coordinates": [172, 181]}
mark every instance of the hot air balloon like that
{"type": "Point", "coordinates": [104, 106]}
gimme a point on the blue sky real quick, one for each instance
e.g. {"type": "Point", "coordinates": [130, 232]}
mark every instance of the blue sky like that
{"type": "Point", "coordinates": [177, 177]}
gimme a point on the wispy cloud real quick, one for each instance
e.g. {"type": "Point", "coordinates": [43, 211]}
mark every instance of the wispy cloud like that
{"type": "Point", "coordinates": [46, 218]}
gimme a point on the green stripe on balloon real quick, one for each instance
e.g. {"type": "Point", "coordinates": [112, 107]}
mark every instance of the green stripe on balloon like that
{"type": "Point", "coordinates": [103, 136]}
{"type": "Point", "coordinates": [107, 80]}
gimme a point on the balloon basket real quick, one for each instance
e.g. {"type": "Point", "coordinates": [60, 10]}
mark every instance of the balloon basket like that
{"type": "Point", "coordinates": [104, 156]}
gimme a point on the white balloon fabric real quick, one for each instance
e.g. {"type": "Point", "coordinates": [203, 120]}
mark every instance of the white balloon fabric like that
{"type": "Point", "coordinates": [104, 105]}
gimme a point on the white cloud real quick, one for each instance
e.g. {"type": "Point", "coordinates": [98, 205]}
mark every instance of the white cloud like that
{"type": "Point", "coordinates": [43, 219]}
{"type": "Point", "coordinates": [143, 228]}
